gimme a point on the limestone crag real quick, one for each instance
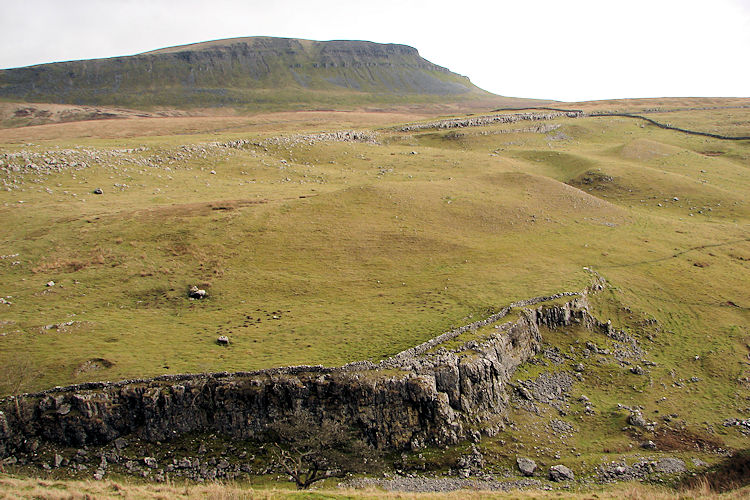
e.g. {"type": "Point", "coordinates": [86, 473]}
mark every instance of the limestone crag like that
{"type": "Point", "coordinates": [425, 395]}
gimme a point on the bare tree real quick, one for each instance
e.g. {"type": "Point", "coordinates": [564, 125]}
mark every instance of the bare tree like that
{"type": "Point", "coordinates": [310, 451]}
{"type": "Point", "coordinates": [16, 376]}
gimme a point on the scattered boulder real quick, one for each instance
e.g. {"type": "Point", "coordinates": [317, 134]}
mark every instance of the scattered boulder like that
{"type": "Point", "coordinates": [120, 443]}
{"type": "Point", "coordinates": [636, 419]}
{"type": "Point", "coordinates": [57, 461]}
{"type": "Point", "coordinates": [98, 191]}
{"type": "Point", "coordinates": [50, 283]}
{"type": "Point", "coordinates": [150, 462]}
{"type": "Point", "coordinates": [637, 370]}
{"type": "Point", "coordinates": [81, 456]}
{"type": "Point", "coordinates": [699, 463]}
{"type": "Point", "coordinates": [648, 445]}
{"type": "Point", "coordinates": [223, 340]}
{"type": "Point", "coordinates": [526, 465]}
{"type": "Point", "coordinates": [561, 473]}
{"type": "Point", "coordinates": [196, 293]}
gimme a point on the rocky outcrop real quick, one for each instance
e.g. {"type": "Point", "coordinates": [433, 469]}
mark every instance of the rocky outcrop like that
{"type": "Point", "coordinates": [425, 395]}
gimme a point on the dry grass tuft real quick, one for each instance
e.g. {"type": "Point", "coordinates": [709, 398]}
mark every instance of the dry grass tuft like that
{"type": "Point", "coordinates": [12, 488]}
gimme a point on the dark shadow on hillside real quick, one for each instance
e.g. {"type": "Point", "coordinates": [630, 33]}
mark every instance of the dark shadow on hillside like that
{"type": "Point", "coordinates": [729, 474]}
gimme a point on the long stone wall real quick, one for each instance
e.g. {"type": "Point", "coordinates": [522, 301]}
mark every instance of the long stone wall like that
{"type": "Point", "coordinates": [425, 395]}
{"type": "Point", "coordinates": [480, 121]}
{"type": "Point", "coordinates": [678, 129]}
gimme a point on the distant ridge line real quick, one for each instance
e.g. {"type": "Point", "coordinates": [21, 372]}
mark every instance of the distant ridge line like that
{"type": "Point", "coordinates": [541, 107]}
{"type": "Point", "coordinates": [256, 73]}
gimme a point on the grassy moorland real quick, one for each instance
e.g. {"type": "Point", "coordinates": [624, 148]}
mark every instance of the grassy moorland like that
{"type": "Point", "coordinates": [329, 252]}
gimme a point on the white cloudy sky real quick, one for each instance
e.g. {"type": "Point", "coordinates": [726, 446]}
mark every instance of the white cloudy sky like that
{"type": "Point", "coordinates": [559, 49]}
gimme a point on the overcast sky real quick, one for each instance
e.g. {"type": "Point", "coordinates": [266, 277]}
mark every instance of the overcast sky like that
{"type": "Point", "coordinates": [558, 49]}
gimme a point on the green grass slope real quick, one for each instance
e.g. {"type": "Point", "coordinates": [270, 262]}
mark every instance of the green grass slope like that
{"type": "Point", "coordinates": [328, 252]}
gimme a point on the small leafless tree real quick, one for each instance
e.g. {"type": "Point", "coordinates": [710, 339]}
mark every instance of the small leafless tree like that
{"type": "Point", "coordinates": [310, 451]}
{"type": "Point", "coordinates": [16, 376]}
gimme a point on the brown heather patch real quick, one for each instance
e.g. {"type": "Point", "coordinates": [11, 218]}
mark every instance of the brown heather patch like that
{"type": "Point", "coordinates": [97, 257]}
{"type": "Point", "coordinates": [669, 439]}
{"type": "Point", "coordinates": [195, 209]}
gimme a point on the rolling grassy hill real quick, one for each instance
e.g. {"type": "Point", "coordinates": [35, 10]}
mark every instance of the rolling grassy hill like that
{"type": "Point", "coordinates": [248, 73]}
{"type": "Point", "coordinates": [321, 251]}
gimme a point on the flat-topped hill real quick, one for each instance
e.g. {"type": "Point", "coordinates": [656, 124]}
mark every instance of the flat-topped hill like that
{"type": "Point", "coordinates": [256, 72]}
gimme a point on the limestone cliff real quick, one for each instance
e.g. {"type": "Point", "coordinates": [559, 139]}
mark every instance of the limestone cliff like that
{"type": "Point", "coordinates": [425, 395]}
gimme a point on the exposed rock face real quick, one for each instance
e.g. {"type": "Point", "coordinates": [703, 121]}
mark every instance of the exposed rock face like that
{"type": "Point", "coordinates": [424, 398]}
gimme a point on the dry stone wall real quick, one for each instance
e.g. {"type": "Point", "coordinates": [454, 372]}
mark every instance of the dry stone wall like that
{"type": "Point", "coordinates": [480, 121]}
{"type": "Point", "coordinates": [678, 129]}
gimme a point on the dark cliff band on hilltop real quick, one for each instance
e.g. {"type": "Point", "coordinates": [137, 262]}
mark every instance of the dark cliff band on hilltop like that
{"type": "Point", "coordinates": [240, 71]}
